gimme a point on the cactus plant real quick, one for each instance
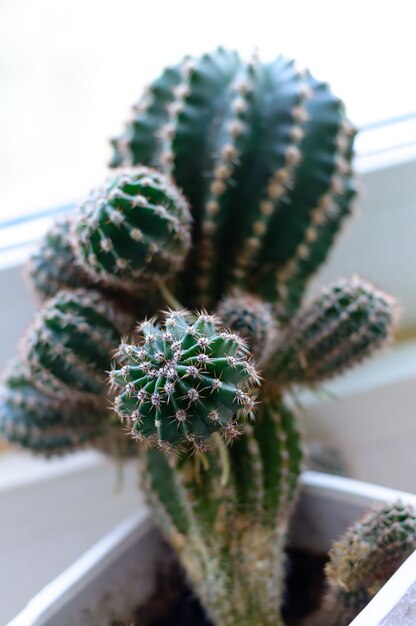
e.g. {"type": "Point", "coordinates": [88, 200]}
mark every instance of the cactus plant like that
{"type": "Point", "coordinates": [253, 320]}
{"type": "Point", "coordinates": [184, 381]}
{"type": "Point", "coordinates": [135, 228]}
{"type": "Point", "coordinates": [344, 324]}
{"type": "Point", "coordinates": [363, 560]}
{"type": "Point", "coordinates": [262, 151]}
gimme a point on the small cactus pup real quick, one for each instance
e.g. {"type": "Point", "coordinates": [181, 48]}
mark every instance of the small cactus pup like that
{"type": "Point", "coordinates": [263, 152]}
{"type": "Point", "coordinates": [42, 423]}
{"type": "Point", "coordinates": [363, 560]}
{"type": "Point", "coordinates": [253, 320]}
{"type": "Point", "coordinates": [184, 381]}
{"type": "Point", "coordinates": [53, 266]}
{"type": "Point", "coordinates": [133, 229]}
{"type": "Point", "coordinates": [345, 324]}
{"type": "Point", "coordinates": [69, 346]}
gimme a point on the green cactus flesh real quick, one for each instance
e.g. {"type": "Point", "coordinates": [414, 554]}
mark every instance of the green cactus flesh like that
{"type": "Point", "coordinates": [346, 323]}
{"type": "Point", "coordinates": [42, 423]}
{"type": "Point", "coordinates": [184, 381]}
{"type": "Point", "coordinates": [262, 151]}
{"type": "Point", "coordinates": [252, 319]}
{"type": "Point", "coordinates": [228, 517]}
{"type": "Point", "coordinates": [53, 266]}
{"type": "Point", "coordinates": [68, 349]}
{"type": "Point", "coordinates": [135, 228]}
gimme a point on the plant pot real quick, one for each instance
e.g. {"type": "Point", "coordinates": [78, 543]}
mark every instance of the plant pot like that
{"type": "Point", "coordinates": [119, 572]}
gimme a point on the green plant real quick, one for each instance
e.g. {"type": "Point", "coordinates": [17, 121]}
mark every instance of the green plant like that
{"type": "Point", "coordinates": [262, 152]}
{"type": "Point", "coordinates": [363, 560]}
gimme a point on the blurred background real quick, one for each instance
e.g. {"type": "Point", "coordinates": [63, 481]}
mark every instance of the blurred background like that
{"type": "Point", "coordinates": [69, 73]}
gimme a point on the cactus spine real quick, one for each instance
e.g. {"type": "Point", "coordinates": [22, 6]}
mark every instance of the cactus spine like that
{"type": "Point", "coordinates": [262, 151]}
{"type": "Point", "coordinates": [364, 559]}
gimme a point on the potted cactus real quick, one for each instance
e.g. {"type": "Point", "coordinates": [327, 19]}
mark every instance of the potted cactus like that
{"type": "Point", "coordinates": [211, 254]}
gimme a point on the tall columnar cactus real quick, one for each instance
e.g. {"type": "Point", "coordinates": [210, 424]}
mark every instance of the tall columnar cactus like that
{"type": "Point", "coordinates": [227, 518]}
{"type": "Point", "coordinates": [342, 326]}
{"type": "Point", "coordinates": [363, 560]}
{"type": "Point", "coordinates": [262, 151]}
{"type": "Point", "coordinates": [253, 319]}
{"type": "Point", "coordinates": [136, 228]}
{"type": "Point", "coordinates": [184, 381]}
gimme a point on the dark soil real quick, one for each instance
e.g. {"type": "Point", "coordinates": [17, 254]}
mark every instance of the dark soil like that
{"type": "Point", "coordinates": [174, 603]}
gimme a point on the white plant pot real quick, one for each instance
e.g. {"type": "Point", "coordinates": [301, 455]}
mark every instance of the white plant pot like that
{"type": "Point", "coordinates": [119, 572]}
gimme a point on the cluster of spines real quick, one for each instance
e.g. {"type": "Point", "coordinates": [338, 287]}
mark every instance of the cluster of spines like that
{"type": "Point", "coordinates": [136, 228]}
{"type": "Point", "coordinates": [184, 381]}
{"type": "Point", "coordinates": [228, 517]}
{"type": "Point", "coordinates": [262, 152]}
{"type": "Point", "coordinates": [251, 318]}
{"type": "Point", "coordinates": [346, 323]}
{"type": "Point", "coordinates": [364, 559]}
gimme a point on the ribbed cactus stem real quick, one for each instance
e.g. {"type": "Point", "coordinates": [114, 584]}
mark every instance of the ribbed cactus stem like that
{"type": "Point", "coordinates": [251, 318]}
{"type": "Point", "coordinates": [70, 344]}
{"type": "Point", "coordinates": [184, 381]}
{"type": "Point", "coordinates": [364, 559]}
{"type": "Point", "coordinates": [346, 323]}
{"type": "Point", "coordinates": [136, 228]}
{"type": "Point", "coordinates": [42, 423]}
{"type": "Point", "coordinates": [230, 535]}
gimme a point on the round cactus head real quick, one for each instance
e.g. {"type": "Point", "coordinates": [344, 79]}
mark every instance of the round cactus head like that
{"type": "Point", "coordinates": [251, 318]}
{"type": "Point", "coordinates": [372, 549]}
{"type": "Point", "coordinates": [134, 228]}
{"type": "Point", "coordinates": [184, 381]}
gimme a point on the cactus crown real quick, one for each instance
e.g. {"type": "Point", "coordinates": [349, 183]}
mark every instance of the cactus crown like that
{"type": "Point", "coordinates": [184, 381]}
{"type": "Point", "coordinates": [136, 226]}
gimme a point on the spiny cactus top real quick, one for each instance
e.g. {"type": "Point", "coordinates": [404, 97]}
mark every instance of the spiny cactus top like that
{"type": "Point", "coordinates": [371, 550]}
{"type": "Point", "coordinates": [184, 381]}
{"type": "Point", "coordinates": [68, 348]}
{"type": "Point", "coordinates": [347, 322]}
{"type": "Point", "coordinates": [135, 227]}
{"type": "Point", "coordinates": [262, 151]}
{"type": "Point", "coordinates": [253, 320]}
